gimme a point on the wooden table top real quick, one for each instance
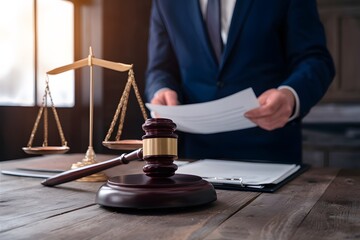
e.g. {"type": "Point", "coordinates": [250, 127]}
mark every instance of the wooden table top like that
{"type": "Point", "coordinates": [322, 203]}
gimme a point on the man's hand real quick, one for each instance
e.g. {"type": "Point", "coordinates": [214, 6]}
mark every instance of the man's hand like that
{"type": "Point", "coordinates": [165, 97]}
{"type": "Point", "coordinates": [276, 106]}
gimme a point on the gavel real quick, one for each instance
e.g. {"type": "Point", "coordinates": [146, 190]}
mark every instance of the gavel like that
{"type": "Point", "coordinates": [159, 187]}
{"type": "Point", "coordinates": [159, 151]}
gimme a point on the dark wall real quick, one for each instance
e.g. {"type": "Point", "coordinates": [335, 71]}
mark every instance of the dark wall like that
{"type": "Point", "coordinates": [342, 25]}
{"type": "Point", "coordinates": [125, 35]}
{"type": "Point", "coordinates": [118, 32]}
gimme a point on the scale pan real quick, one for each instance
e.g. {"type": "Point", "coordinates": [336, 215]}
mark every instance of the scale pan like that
{"type": "Point", "coordinates": [131, 144]}
{"type": "Point", "coordinates": [46, 150]}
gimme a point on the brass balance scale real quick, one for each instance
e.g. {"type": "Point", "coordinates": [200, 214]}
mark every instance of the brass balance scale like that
{"type": "Point", "coordinates": [117, 144]}
{"type": "Point", "coordinates": [159, 187]}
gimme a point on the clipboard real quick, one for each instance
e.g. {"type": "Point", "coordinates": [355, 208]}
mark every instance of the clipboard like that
{"type": "Point", "coordinates": [267, 188]}
{"type": "Point", "coordinates": [256, 176]}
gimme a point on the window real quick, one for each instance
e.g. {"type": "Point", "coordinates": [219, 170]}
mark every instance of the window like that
{"type": "Point", "coordinates": [35, 37]}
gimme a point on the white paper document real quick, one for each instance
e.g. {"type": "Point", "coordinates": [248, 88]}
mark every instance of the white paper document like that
{"type": "Point", "coordinates": [222, 115]}
{"type": "Point", "coordinates": [238, 172]}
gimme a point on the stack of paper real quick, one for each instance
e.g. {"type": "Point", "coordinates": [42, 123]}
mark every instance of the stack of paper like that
{"type": "Point", "coordinates": [222, 115]}
{"type": "Point", "coordinates": [238, 172]}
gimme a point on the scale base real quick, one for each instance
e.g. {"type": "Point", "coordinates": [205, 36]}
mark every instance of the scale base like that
{"type": "Point", "coordinates": [97, 177]}
{"type": "Point", "coordinates": [139, 191]}
{"type": "Point", "coordinates": [88, 160]}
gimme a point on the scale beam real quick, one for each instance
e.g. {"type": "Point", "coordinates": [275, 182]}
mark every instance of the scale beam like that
{"type": "Point", "coordinates": [72, 66]}
{"type": "Point", "coordinates": [91, 61]}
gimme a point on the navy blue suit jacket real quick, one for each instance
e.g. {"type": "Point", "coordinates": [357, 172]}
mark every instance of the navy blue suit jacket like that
{"type": "Point", "coordinates": [270, 43]}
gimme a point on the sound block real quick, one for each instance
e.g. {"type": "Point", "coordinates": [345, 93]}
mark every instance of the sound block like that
{"type": "Point", "coordinates": [142, 192]}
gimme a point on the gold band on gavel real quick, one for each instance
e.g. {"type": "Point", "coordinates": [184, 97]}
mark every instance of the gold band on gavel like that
{"type": "Point", "coordinates": [159, 146]}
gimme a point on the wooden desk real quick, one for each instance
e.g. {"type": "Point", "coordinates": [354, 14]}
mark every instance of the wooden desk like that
{"type": "Point", "coordinates": [320, 204]}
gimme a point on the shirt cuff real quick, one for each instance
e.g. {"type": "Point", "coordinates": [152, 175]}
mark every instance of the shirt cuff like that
{"type": "Point", "coordinates": [296, 112]}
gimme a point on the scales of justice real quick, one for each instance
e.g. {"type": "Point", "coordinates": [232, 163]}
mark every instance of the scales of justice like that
{"type": "Point", "coordinates": [158, 187]}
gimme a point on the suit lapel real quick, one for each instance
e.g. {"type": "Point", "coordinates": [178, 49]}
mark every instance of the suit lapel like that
{"type": "Point", "coordinates": [241, 11]}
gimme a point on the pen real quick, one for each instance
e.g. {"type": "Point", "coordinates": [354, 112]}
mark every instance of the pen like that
{"type": "Point", "coordinates": [26, 174]}
{"type": "Point", "coordinates": [238, 180]}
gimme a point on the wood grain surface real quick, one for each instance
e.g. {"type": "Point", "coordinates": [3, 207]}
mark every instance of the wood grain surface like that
{"type": "Point", "coordinates": [322, 203]}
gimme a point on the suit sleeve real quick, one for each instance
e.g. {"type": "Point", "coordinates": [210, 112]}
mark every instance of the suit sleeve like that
{"type": "Point", "coordinates": [162, 70]}
{"type": "Point", "coordinates": [311, 67]}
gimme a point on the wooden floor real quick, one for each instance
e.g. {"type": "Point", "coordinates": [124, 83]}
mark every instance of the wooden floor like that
{"type": "Point", "coordinates": [322, 203]}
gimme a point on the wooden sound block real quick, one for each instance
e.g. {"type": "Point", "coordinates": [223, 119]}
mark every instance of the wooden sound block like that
{"type": "Point", "coordinates": [142, 192]}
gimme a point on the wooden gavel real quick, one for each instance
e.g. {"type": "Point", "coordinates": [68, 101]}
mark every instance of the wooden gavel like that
{"type": "Point", "coordinates": [159, 151]}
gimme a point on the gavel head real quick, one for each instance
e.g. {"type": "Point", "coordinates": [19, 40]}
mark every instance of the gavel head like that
{"type": "Point", "coordinates": [159, 147]}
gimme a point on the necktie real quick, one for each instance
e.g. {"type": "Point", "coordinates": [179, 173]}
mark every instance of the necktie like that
{"type": "Point", "coordinates": [213, 24]}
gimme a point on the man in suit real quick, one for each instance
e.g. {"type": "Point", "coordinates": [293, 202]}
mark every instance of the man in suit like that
{"type": "Point", "coordinates": [276, 47]}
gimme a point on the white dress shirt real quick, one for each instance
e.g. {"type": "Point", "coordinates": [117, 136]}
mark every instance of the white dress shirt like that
{"type": "Point", "coordinates": [227, 9]}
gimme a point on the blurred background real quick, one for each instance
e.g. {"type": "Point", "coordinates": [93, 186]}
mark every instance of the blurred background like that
{"type": "Point", "coordinates": [39, 35]}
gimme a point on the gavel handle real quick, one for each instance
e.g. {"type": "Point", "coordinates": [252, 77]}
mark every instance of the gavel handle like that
{"type": "Point", "coordinates": [91, 169]}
